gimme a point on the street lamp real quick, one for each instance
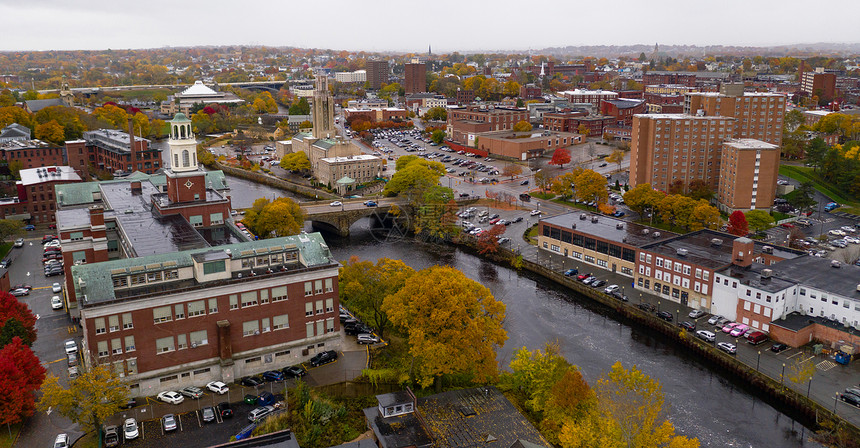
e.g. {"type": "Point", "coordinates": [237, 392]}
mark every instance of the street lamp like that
{"type": "Point", "coordinates": [809, 387]}
{"type": "Point", "coordinates": [835, 397]}
{"type": "Point", "coordinates": [758, 361]}
{"type": "Point", "coordinates": [782, 377]}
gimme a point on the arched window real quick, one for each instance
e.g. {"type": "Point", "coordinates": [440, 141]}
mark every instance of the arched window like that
{"type": "Point", "coordinates": [185, 160]}
{"type": "Point", "coordinates": [175, 132]}
{"type": "Point", "coordinates": [182, 131]}
{"type": "Point", "coordinates": [176, 160]}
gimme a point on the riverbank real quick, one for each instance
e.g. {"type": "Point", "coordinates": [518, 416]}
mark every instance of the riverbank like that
{"type": "Point", "coordinates": [809, 412]}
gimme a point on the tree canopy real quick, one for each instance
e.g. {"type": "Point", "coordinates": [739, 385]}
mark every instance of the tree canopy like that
{"type": "Point", "coordinates": [21, 375]}
{"type": "Point", "coordinates": [19, 315]}
{"type": "Point", "coordinates": [417, 179]}
{"type": "Point", "coordinates": [738, 224]}
{"type": "Point", "coordinates": [296, 161]}
{"type": "Point", "coordinates": [364, 286]}
{"type": "Point", "coordinates": [452, 324]}
{"type": "Point", "coordinates": [560, 157]}
{"type": "Point", "coordinates": [759, 220]}
{"type": "Point", "coordinates": [281, 217]}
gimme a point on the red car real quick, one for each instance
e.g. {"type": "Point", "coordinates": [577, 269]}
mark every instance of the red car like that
{"type": "Point", "coordinates": [787, 225]}
{"type": "Point", "coordinates": [582, 277]}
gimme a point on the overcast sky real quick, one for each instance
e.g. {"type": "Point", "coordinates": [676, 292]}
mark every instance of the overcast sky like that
{"type": "Point", "coordinates": [410, 26]}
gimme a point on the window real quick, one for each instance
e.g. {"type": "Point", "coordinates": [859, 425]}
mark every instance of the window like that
{"type": "Point", "coordinates": [216, 218]}
{"type": "Point", "coordinates": [181, 342]}
{"type": "Point", "coordinates": [249, 299]}
{"type": "Point", "coordinates": [120, 282]}
{"type": "Point", "coordinates": [589, 259]}
{"type": "Point", "coordinates": [264, 296]}
{"type": "Point", "coordinates": [659, 262]}
{"type": "Point", "coordinates": [100, 325]}
{"type": "Point", "coordinates": [138, 279]}
{"type": "Point", "coordinates": [198, 338]}
{"type": "Point", "coordinates": [197, 220]}
{"type": "Point", "coordinates": [329, 325]}
{"type": "Point", "coordinates": [180, 311]}
{"type": "Point", "coordinates": [328, 285]}
{"type": "Point", "coordinates": [213, 267]}
{"type": "Point", "coordinates": [113, 323]}
{"type": "Point", "coordinates": [318, 286]}
{"type": "Point", "coordinates": [309, 309]}
{"type": "Point", "coordinates": [602, 263]}
{"type": "Point", "coordinates": [161, 314]}
{"type": "Point", "coordinates": [281, 322]}
{"type": "Point", "coordinates": [153, 277]}
{"type": "Point", "coordinates": [686, 270]}
{"type": "Point", "coordinates": [127, 323]}
{"type": "Point", "coordinates": [319, 304]}
{"type": "Point", "coordinates": [250, 328]}
{"type": "Point", "coordinates": [213, 306]}
{"type": "Point", "coordinates": [309, 288]}
{"type": "Point", "coordinates": [171, 275]}
{"type": "Point", "coordinates": [103, 349]}
{"type": "Point", "coordinates": [320, 327]}
{"type": "Point", "coordinates": [309, 329]}
{"type": "Point", "coordinates": [76, 236]}
{"type": "Point", "coordinates": [265, 324]}
{"type": "Point", "coordinates": [196, 308]}
{"type": "Point", "coordinates": [706, 275]}
{"type": "Point", "coordinates": [279, 294]}
{"type": "Point", "coordinates": [129, 344]}
{"type": "Point", "coordinates": [329, 305]}
{"type": "Point", "coordinates": [678, 267]}
{"type": "Point", "coordinates": [234, 302]}
{"type": "Point", "coordinates": [164, 345]}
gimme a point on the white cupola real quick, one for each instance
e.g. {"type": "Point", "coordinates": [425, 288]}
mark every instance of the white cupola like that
{"type": "Point", "coordinates": [183, 145]}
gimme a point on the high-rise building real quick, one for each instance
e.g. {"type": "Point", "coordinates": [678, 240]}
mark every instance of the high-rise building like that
{"type": "Point", "coordinates": [323, 114]}
{"type": "Point", "coordinates": [377, 73]}
{"type": "Point", "coordinates": [820, 84]}
{"type": "Point", "coordinates": [748, 174]}
{"type": "Point", "coordinates": [670, 147]}
{"type": "Point", "coordinates": [416, 78]}
{"type": "Point", "coordinates": [757, 115]}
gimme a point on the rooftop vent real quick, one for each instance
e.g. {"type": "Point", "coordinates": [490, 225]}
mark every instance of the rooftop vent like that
{"type": "Point", "coordinates": [716, 242]}
{"type": "Point", "coordinates": [619, 226]}
{"type": "Point", "coordinates": [655, 235]}
{"type": "Point", "coordinates": [681, 252]}
{"type": "Point", "coordinates": [835, 264]}
{"type": "Point", "coordinates": [594, 219]}
{"type": "Point", "coordinates": [766, 273]}
{"type": "Point", "coordinates": [573, 226]}
{"type": "Point", "coordinates": [645, 231]}
{"type": "Point", "coordinates": [767, 249]}
{"type": "Point", "coordinates": [582, 216]}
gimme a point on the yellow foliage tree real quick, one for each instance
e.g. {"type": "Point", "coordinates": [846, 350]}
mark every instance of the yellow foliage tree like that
{"type": "Point", "coordinates": [51, 132]}
{"type": "Point", "coordinates": [453, 324]}
{"type": "Point", "coordinates": [281, 217]}
{"type": "Point", "coordinates": [364, 286]}
{"type": "Point", "coordinates": [522, 126]}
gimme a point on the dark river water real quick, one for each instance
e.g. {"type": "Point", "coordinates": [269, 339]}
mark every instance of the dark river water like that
{"type": "Point", "coordinates": [700, 403]}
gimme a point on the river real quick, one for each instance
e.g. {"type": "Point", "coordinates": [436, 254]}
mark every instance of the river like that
{"type": "Point", "coordinates": [701, 403]}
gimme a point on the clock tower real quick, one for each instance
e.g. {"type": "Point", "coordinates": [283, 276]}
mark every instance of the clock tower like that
{"type": "Point", "coordinates": [185, 181]}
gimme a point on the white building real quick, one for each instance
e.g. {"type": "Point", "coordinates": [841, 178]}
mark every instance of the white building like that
{"type": "Point", "coordinates": [351, 77]}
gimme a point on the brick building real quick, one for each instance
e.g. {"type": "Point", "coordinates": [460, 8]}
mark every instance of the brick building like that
{"type": "Point", "coordinates": [687, 79]}
{"type": "Point", "coordinates": [749, 170]}
{"type": "Point", "coordinates": [571, 121]}
{"type": "Point", "coordinates": [622, 110]}
{"type": "Point", "coordinates": [32, 153]}
{"type": "Point", "coordinates": [415, 77]}
{"type": "Point", "coordinates": [377, 114]}
{"type": "Point", "coordinates": [465, 96]}
{"type": "Point", "coordinates": [757, 115]}
{"type": "Point", "coordinates": [377, 74]}
{"type": "Point", "coordinates": [593, 97]}
{"type": "Point", "coordinates": [525, 145]}
{"type": "Point", "coordinates": [530, 92]}
{"type": "Point", "coordinates": [359, 169]}
{"type": "Point", "coordinates": [818, 83]}
{"type": "Point", "coordinates": [465, 122]}
{"type": "Point", "coordinates": [36, 191]}
{"type": "Point", "coordinates": [112, 151]}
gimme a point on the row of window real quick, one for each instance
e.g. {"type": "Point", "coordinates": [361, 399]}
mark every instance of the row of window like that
{"type": "Point", "coordinates": [265, 325]}
{"type": "Point", "coordinates": [181, 341]}
{"type": "Point", "coordinates": [580, 240]}
{"type": "Point", "coordinates": [138, 279]}
{"type": "Point", "coordinates": [117, 345]}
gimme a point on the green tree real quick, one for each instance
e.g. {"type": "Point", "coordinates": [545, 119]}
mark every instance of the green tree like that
{"type": "Point", "coordinates": [758, 220]}
{"type": "Point", "coordinates": [438, 136]}
{"type": "Point", "coordinates": [300, 107]}
{"type": "Point", "coordinates": [9, 228]}
{"type": "Point", "coordinates": [436, 114]}
{"type": "Point", "coordinates": [364, 287]}
{"type": "Point", "coordinates": [802, 197]}
{"type": "Point", "coordinates": [616, 157]}
{"type": "Point", "coordinates": [452, 324]}
{"type": "Point", "coordinates": [91, 398]}
{"type": "Point", "coordinates": [281, 217]}
{"type": "Point", "coordinates": [642, 199]}
{"type": "Point", "coordinates": [415, 178]}
{"type": "Point", "coordinates": [522, 126]}
{"type": "Point", "coordinates": [816, 152]}
{"type": "Point", "coordinates": [296, 161]}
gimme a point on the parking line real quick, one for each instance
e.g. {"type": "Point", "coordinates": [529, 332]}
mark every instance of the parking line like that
{"type": "Point", "coordinates": [199, 423]}
{"type": "Point", "coordinates": [51, 362]}
{"type": "Point", "coordinates": [179, 418]}
{"type": "Point", "coordinates": [796, 354]}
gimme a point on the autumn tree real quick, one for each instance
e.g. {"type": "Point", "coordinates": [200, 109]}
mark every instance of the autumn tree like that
{"type": "Point", "coordinates": [642, 199]}
{"type": "Point", "coordinates": [590, 186]}
{"type": "Point", "coordinates": [704, 215]}
{"type": "Point", "coordinates": [17, 314]}
{"type": "Point", "coordinates": [436, 114]}
{"type": "Point", "coordinates": [564, 184]}
{"type": "Point", "coordinates": [758, 220]}
{"type": "Point", "coordinates": [417, 178]}
{"type": "Point", "coordinates": [488, 240]}
{"type": "Point", "coordinates": [583, 130]}
{"type": "Point", "coordinates": [632, 404]}
{"type": "Point", "coordinates": [512, 170]}
{"type": "Point", "coordinates": [738, 224]}
{"type": "Point", "coordinates": [11, 114]}
{"type": "Point", "coordinates": [364, 286]}
{"type": "Point", "coordinates": [452, 324]}
{"type": "Point", "coordinates": [90, 399]}
{"type": "Point", "coordinates": [700, 189]}
{"type": "Point", "coordinates": [437, 218]}
{"type": "Point", "coordinates": [616, 157]}
{"type": "Point", "coordinates": [542, 181]}
{"type": "Point", "coordinates": [522, 126]}
{"type": "Point", "coordinates": [296, 161]}
{"type": "Point", "coordinates": [438, 136]}
{"type": "Point", "coordinates": [51, 132]}
{"type": "Point", "coordinates": [560, 157]}
{"type": "Point", "coordinates": [21, 375]}
{"type": "Point", "coordinates": [281, 217]}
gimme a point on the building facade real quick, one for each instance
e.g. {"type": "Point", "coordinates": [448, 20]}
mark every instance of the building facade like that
{"type": "Point", "coordinates": [749, 170]}
{"type": "Point", "coordinates": [377, 74]}
{"type": "Point", "coordinates": [323, 109]}
{"type": "Point", "coordinates": [416, 77]}
{"type": "Point", "coordinates": [466, 122]}
{"type": "Point", "coordinates": [358, 76]}
{"type": "Point", "coordinates": [756, 115]}
{"type": "Point", "coordinates": [593, 97]}
{"type": "Point", "coordinates": [113, 151]}
{"type": "Point", "coordinates": [820, 84]}
{"type": "Point", "coordinates": [362, 168]}
{"type": "Point", "coordinates": [524, 145]}
{"type": "Point", "coordinates": [36, 191]}
{"type": "Point", "coordinates": [32, 153]}
{"type": "Point", "coordinates": [622, 110]}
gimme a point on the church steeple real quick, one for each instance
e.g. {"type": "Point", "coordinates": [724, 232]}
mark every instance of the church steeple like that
{"type": "Point", "coordinates": [183, 146]}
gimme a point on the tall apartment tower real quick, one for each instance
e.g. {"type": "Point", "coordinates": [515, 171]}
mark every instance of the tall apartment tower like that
{"type": "Point", "coordinates": [757, 115]}
{"type": "Point", "coordinates": [748, 173]}
{"type": "Point", "coordinates": [377, 74]}
{"type": "Point", "coordinates": [670, 147]}
{"type": "Point", "coordinates": [416, 78]}
{"type": "Point", "coordinates": [323, 118]}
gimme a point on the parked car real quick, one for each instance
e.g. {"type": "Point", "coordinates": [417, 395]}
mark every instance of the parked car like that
{"type": "Point", "coordinates": [130, 430]}
{"type": "Point", "coordinates": [23, 285]}
{"type": "Point", "coordinates": [20, 292]}
{"type": "Point", "coordinates": [778, 347]}
{"type": "Point", "coordinates": [727, 347]}
{"type": "Point", "coordinates": [367, 338]}
{"type": "Point", "coordinates": [294, 371]}
{"type": "Point", "coordinates": [620, 296]}
{"type": "Point", "coordinates": [251, 381]}
{"type": "Point", "coordinates": [356, 329]}
{"type": "Point", "coordinates": [56, 287]}
{"type": "Point", "coordinates": [56, 303]}
{"type": "Point", "coordinates": [260, 412]}
{"type": "Point", "coordinates": [19, 242]}
{"type": "Point", "coordinates": [208, 414]}
{"type": "Point", "coordinates": [571, 272]}
{"type": "Point", "coordinates": [217, 387]}
{"type": "Point", "coordinates": [598, 283]}
{"type": "Point", "coordinates": [62, 441]}
{"type": "Point", "coordinates": [695, 314]}
{"type": "Point", "coordinates": [70, 346]}
{"type": "Point", "coordinates": [111, 436]}
{"type": "Point", "coordinates": [713, 320]}
{"type": "Point", "coordinates": [29, 227]}
{"type": "Point", "coordinates": [273, 375]}
{"type": "Point", "coordinates": [130, 403]}
{"type": "Point", "coordinates": [647, 307]}
{"type": "Point", "coordinates": [722, 321]}
{"type": "Point", "coordinates": [250, 399]}
{"type": "Point", "coordinates": [727, 328]}
{"type": "Point", "coordinates": [171, 397]}
{"type": "Point", "coordinates": [665, 315]}
{"type": "Point", "coordinates": [192, 392]}
{"type": "Point", "coordinates": [225, 410]}
{"type": "Point", "coordinates": [168, 422]}
{"type": "Point", "coordinates": [336, 204]}
{"type": "Point", "coordinates": [706, 335]}
{"type": "Point", "coordinates": [853, 400]}
{"type": "Point", "coordinates": [611, 288]}
{"type": "Point", "coordinates": [689, 326]}
{"type": "Point", "coordinates": [266, 398]}
{"type": "Point", "coordinates": [323, 358]}
{"type": "Point", "coordinates": [739, 330]}
{"type": "Point", "coordinates": [535, 212]}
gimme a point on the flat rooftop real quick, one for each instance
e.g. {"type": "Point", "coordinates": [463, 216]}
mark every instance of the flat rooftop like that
{"type": "Point", "coordinates": [750, 143]}
{"type": "Point", "coordinates": [606, 228]}
{"type": "Point", "coordinates": [33, 176]}
{"type": "Point", "coordinates": [818, 273]}
{"type": "Point", "coordinates": [701, 249]}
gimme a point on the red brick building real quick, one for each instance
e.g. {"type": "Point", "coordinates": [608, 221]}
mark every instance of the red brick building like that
{"type": "Point", "coordinates": [32, 153]}
{"type": "Point", "coordinates": [465, 96]}
{"type": "Point", "coordinates": [571, 121]}
{"type": "Point", "coordinates": [112, 151]}
{"type": "Point", "coordinates": [622, 110]}
{"type": "Point", "coordinates": [530, 92]}
{"type": "Point", "coordinates": [687, 79]}
{"type": "Point", "coordinates": [465, 123]}
{"type": "Point", "coordinates": [416, 78]}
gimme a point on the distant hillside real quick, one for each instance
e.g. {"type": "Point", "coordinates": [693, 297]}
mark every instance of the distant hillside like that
{"type": "Point", "coordinates": [811, 49]}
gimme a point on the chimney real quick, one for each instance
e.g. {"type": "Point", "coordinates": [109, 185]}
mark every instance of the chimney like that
{"type": "Point", "coordinates": [131, 134]}
{"type": "Point", "coordinates": [97, 216]}
{"type": "Point", "coordinates": [742, 252]}
{"type": "Point", "coordinates": [136, 188]}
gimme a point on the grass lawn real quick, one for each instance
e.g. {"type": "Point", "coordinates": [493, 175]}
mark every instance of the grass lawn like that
{"type": "Point", "coordinates": [779, 216]}
{"type": "Point", "coordinates": [806, 174]}
{"type": "Point", "coordinates": [544, 196]}
{"type": "Point", "coordinates": [5, 439]}
{"type": "Point", "coordinates": [531, 235]}
{"type": "Point", "coordinates": [4, 249]}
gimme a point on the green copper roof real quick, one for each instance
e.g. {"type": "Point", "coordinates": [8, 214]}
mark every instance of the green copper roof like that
{"type": "Point", "coordinates": [82, 192]}
{"type": "Point", "coordinates": [180, 118]}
